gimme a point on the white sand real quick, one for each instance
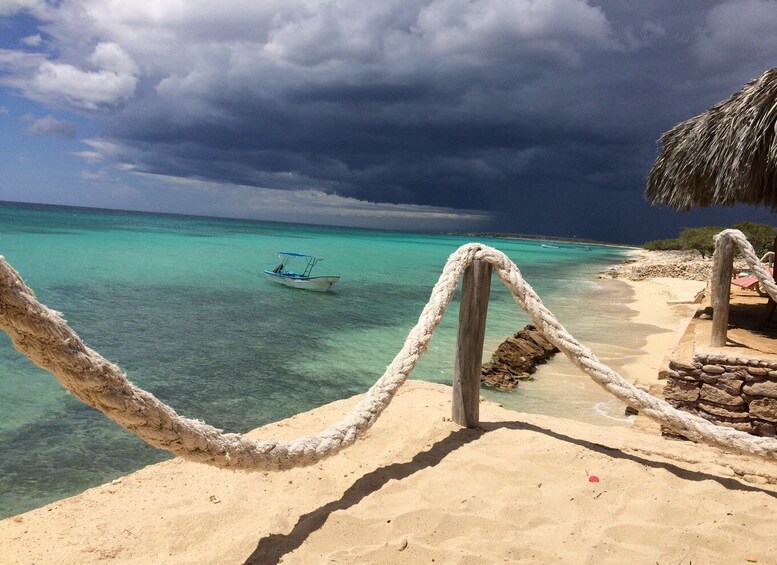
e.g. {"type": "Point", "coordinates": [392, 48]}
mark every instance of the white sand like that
{"type": "Point", "coordinates": [418, 489]}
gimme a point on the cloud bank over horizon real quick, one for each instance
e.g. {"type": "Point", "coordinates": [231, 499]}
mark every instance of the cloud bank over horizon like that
{"type": "Point", "coordinates": [520, 115]}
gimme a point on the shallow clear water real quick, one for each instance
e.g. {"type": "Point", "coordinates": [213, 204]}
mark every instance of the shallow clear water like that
{"type": "Point", "coordinates": [179, 303]}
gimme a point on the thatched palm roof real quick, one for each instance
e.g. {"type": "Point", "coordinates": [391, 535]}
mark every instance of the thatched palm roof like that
{"type": "Point", "coordinates": [726, 155]}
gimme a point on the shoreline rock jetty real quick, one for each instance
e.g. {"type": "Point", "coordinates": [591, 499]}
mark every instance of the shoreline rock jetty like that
{"type": "Point", "coordinates": [516, 359]}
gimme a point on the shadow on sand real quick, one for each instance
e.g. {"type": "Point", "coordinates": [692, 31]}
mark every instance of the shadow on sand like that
{"type": "Point", "coordinates": [273, 547]}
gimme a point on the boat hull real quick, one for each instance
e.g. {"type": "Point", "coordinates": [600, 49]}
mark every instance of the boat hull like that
{"type": "Point", "coordinates": [317, 284]}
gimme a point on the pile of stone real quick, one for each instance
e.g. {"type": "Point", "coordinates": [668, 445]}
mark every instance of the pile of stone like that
{"type": "Point", "coordinates": [736, 392]}
{"type": "Point", "coordinates": [675, 264]}
{"type": "Point", "coordinates": [516, 359]}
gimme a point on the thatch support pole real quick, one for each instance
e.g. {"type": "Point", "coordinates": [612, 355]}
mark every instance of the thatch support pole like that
{"type": "Point", "coordinates": [473, 307]}
{"type": "Point", "coordinates": [721, 291]}
{"type": "Point", "coordinates": [771, 304]}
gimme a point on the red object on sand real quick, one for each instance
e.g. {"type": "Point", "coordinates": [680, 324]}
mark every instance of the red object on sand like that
{"type": "Point", "coordinates": [593, 479]}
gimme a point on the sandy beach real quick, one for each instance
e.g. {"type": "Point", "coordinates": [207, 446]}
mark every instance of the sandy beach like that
{"type": "Point", "coordinates": [418, 489]}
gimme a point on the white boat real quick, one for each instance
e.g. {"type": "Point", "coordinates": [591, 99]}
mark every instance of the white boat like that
{"type": "Point", "coordinates": [549, 246]}
{"type": "Point", "coordinates": [283, 273]}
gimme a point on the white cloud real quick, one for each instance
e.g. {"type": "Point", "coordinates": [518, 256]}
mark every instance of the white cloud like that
{"type": "Point", "coordinates": [738, 30]}
{"type": "Point", "coordinates": [9, 7]}
{"type": "Point", "coordinates": [113, 81]}
{"type": "Point", "coordinates": [110, 77]}
{"type": "Point", "coordinates": [101, 150]}
{"type": "Point", "coordinates": [100, 175]}
{"type": "Point", "coordinates": [316, 206]}
{"type": "Point", "coordinates": [507, 27]}
{"type": "Point", "coordinates": [19, 66]}
{"type": "Point", "coordinates": [32, 40]}
{"type": "Point", "coordinates": [89, 156]}
{"type": "Point", "coordinates": [50, 126]}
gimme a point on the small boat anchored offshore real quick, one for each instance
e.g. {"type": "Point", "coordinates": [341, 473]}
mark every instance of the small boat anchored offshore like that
{"type": "Point", "coordinates": [283, 274]}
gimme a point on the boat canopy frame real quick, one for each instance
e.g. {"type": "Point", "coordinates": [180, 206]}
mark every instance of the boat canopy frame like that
{"type": "Point", "coordinates": [287, 256]}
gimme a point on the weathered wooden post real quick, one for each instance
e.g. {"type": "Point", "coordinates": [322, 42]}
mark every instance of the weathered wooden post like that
{"type": "Point", "coordinates": [721, 292]}
{"type": "Point", "coordinates": [473, 307]}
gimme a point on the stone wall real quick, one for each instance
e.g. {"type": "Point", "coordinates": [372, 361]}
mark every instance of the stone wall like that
{"type": "Point", "coordinates": [736, 392]}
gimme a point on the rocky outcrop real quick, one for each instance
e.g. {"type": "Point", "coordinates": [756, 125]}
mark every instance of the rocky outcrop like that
{"type": "Point", "coordinates": [676, 264]}
{"type": "Point", "coordinates": [516, 359]}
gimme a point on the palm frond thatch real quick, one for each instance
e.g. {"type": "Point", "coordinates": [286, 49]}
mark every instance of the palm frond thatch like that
{"type": "Point", "coordinates": [726, 155]}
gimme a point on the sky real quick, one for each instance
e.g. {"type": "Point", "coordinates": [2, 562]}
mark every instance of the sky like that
{"type": "Point", "coordinates": [522, 116]}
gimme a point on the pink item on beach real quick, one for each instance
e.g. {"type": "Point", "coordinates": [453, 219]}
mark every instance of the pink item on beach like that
{"type": "Point", "coordinates": [746, 282]}
{"type": "Point", "coordinates": [593, 479]}
{"type": "Point", "coordinates": [749, 282]}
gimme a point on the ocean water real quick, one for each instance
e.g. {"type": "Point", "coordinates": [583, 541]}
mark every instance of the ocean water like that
{"type": "Point", "coordinates": [180, 305]}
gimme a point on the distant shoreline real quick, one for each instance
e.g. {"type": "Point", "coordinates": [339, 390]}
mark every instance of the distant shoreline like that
{"type": "Point", "coordinates": [579, 240]}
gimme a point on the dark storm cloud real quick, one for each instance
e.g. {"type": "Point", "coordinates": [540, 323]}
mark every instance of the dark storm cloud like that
{"type": "Point", "coordinates": [544, 112]}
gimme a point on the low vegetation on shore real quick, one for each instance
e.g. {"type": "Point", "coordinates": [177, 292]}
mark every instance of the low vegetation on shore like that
{"type": "Point", "coordinates": [689, 256]}
{"type": "Point", "coordinates": [761, 236]}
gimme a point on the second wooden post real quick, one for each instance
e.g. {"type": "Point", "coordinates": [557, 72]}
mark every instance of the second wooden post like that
{"type": "Point", "coordinates": [721, 293]}
{"type": "Point", "coordinates": [473, 307]}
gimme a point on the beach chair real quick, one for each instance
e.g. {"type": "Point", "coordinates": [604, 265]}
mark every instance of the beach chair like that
{"type": "Point", "coordinates": [750, 282]}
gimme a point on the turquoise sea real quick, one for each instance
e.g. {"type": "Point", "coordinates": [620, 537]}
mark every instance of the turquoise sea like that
{"type": "Point", "coordinates": [180, 304]}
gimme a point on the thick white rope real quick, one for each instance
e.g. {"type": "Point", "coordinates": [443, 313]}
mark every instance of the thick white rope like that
{"type": "Point", "coordinates": [44, 336]}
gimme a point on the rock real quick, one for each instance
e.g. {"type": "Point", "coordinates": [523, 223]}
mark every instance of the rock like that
{"type": "Point", "coordinates": [516, 359]}
{"type": "Point", "coordinates": [681, 366]}
{"type": "Point", "coordinates": [718, 396]}
{"type": "Point", "coordinates": [765, 429]}
{"type": "Point", "coordinates": [731, 386]}
{"type": "Point", "coordinates": [675, 264]}
{"type": "Point", "coordinates": [764, 388]}
{"type": "Point", "coordinates": [743, 425]}
{"type": "Point", "coordinates": [689, 407]}
{"type": "Point", "coordinates": [727, 376]}
{"type": "Point", "coordinates": [668, 432]}
{"type": "Point", "coordinates": [764, 409]}
{"type": "Point", "coordinates": [736, 412]}
{"type": "Point", "coordinates": [694, 375]}
{"type": "Point", "coordinates": [681, 390]}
